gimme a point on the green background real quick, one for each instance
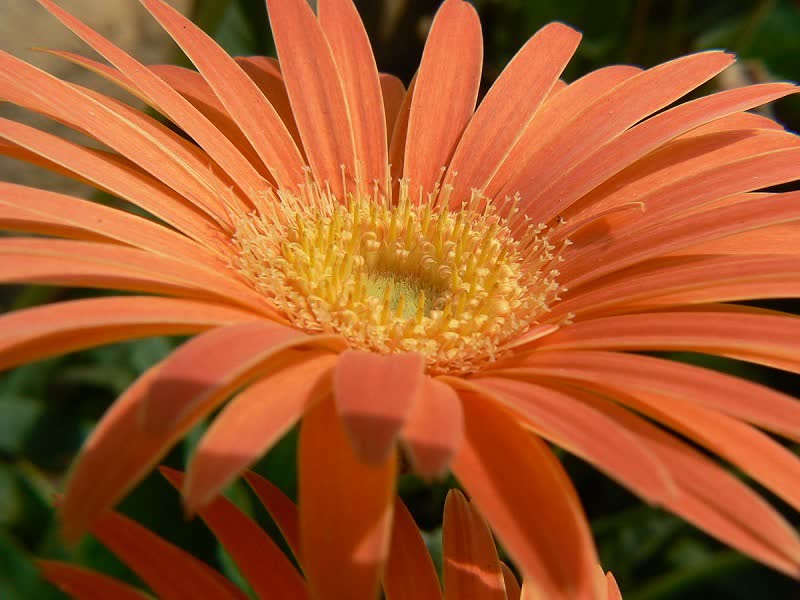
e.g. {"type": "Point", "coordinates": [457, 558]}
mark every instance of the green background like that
{"type": "Point", "coordinates": [47, 408]}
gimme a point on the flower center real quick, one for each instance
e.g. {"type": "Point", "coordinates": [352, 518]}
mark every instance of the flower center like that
{"type": "Point", "coordinates": [392, 273]}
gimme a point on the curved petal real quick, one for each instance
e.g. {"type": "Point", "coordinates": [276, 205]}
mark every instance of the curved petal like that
{"type": "Point", "coordinates": [716, 391]}
{"type": "Point", "coordinates": [397, 141]}
{"type": "Point", "coordinates": [245, 103]}
{"type": "Point", "coordinates": [282, 510]}
{"type": "Point", "coordinates": [585, 433]}
{"type": "Point", "coordinates": [207, 368]}
{"type": "Point", "coordinates": [434, 429]}
{"type": "Point", "coordinates": [315, 91]}
{"type": "Point", "coordinates": [394, 92]}
{"type": "Point", "coordinates": [374, 397]}
{"type": "Point", "coordinates": [513, 590]}
{"type": "Point", "coordinates": [409, 574]}
{"type": "Point", "coordinates": [613, 588]}
{"type": "Point", "coordinates": [83, 584]}
{"type": "Point", "coordinates": [344, 542]}
{"type": "Point", "coordinates": [265, 567]}
{"type": "Point", "coordinates": [169, 571]}
{"type": "Point", "coordinates": [471, 566]}
{"type": "Point", "coordinates": [362, 90]}
{"type": "Point", "coordinates": [445, 93]}
{"type": "Point", "coordinates": [506, 470]}
{"type": "Point", "coordinates": [251, 423]}
{"type": "Point", "coordinates": [44, 331]}
{"type": "Point", "coordinates": [508, 109]}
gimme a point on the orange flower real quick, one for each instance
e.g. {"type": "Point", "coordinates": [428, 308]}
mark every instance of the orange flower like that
{"type": "Point", "coordinates": [471, 566]}
{"type": "Point", "coordinates": [494, 290]}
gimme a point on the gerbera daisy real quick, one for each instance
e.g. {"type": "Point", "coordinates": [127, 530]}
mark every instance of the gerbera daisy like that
{"type": "Point", "coordinates": [398, 268]}
{"type": "Point", "coordinates": [471, 567]}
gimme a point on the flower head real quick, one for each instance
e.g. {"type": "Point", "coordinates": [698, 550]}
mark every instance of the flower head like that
{"type": "Point", "coordinates": [400, 270]}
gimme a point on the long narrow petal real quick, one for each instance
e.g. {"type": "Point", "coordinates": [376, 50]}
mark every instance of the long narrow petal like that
{"type": "Point", "coordinates": [445, 92]}
{"type": "Point", "coordinates": [148, 144]}
{"type": "Point", "coordinates": [640, 245]}
{"type": "Point", "coordinates": [685, 280]}
{"type": "Point", "coordinates": [83, 584]}
{"type": "Point", "coordinates": [92, 264]}
{"type": "Point", "coordinates": [266, 74]}
{"type": "Point", "coordinates": [649, 135]}
{"type": "Point", "coordinates": [113, 176]}
{"type": "Point", "coordinates": [399, 136]}
{"type": "Point", "coordinates": [506, 470]}
{"type": "Point", "coordinates": [265, 567]}
{"type": "Point", "coordinates": [608, 116]}
{"type": "Point", "coordinates": [345, 509]}
{"type": "Point", "coordinates": [38, 211]}
{"type": "Point", "coordinates": [733, 396]}
{"type": "Point", "coordinates": [471, 566]}
{"type": "Point", "coordinates": [586, 433]}
{"type": "Point", "coordinates": [169, 571]}
{"type": "Point", "coordinates": [282, 510]}
{"type": "Point", "coordinates": [374, 396]}
{"type": "Point", "coordinates": [209, 367]}
{"type": "Point", "coordinates": [708, 495]}
{"type": "Point", "coordinates": [251, 423]}
{"type": "Point", "coordinates": [508, 108]}
{"type": "Point", "coordinates": [315, 91]}
{"type": "Point", "coordinates": [764, 339]}
{"type": "Point", "coordinates": [362, 90]}
{"type": "Point", "coordinates": [434, 429]}
{"type": "Point", "coordinates": [613, 588]}
{"type": "Point", "coordinates": [409, 574]}
{"type": "Point", "coordinates": [244, 102]}
{"type": "Point", "coordinates": [393, 92]}
{"type": "Point", "coordinates": [176, 107]}
{"type": "Point", "coordinates": [556, 112]}
{"type": "Point", "coordinates": [44, 331]}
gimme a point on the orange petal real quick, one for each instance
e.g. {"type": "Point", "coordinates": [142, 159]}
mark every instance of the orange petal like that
{"type": "Point", "coordinates": [410, 574]}
{"type": "Point", "coordinates": [711, 497]}
{"type": "Point", "coordinates": [282, 510]}
{"type": "Point", "coordinates": [131, 133]}
{"type": "Point", "coordinates": [434, 429]}
{"type": "Point", "coordinates": [508, 108]}
{"type": "Point", "coordinates": [261, 562]}
{"type": "Point", "coordinates": [345, 509]}
{"type": "Point", "coordinates": [739, 398]}
{"type": "Point", "coordinates": [32, 210]}
{"type": "Point", "coordinates": [608, 116]}
{"type": "Point", "coordinates": [44, 331]}
{"type": "Point", "coordinates": [513, 591]}
{"type": "Point", "coordinates": [91, 264]}
{"type": "Point", "coordinates": [245, 103]}
{"type": "Point", "coordinates": [374, 396]}
{"type": "Point", "coordinates": [397, 141]}
{"type": "Point", "coordinates": [315, 91]}
{"type": "Point", "coordinates": [177, 108]}
{"type": "Point", "coordinates": [120, 179]}
{"type": "Point", "coordinates": [394, 92]}
{"type": "Point", "coordinates": [506, 471]}
{"type": "Point", "coordinates": [251, 423]}
{"type": "Point", "coordinates": [362, 90]}
{"type": "Point", "coordinates": [560, 419]}
{"type": "Point", "coordinates": [471, 566]}
{"type": "Point", "coordinates": [613, 588]}
{"type": "Point", "coordinates": [209, 367]}
{"type": "Point", "coordinates": [169, 571]}
{"type": "Point", "coordinates": [764, 339]}
{"type": "Point", "coordinates": [639, 245]}
{"type": "Point", "coordinates": [650, 135]}
{"type": "Point", "coordinates": [555, 114]}
{"type": "Point", "coordinates": [445, 92]}
{"type": "Point", "coordinates": [266, 74]}
{"type": "Point", "coordinates": [82, 584]}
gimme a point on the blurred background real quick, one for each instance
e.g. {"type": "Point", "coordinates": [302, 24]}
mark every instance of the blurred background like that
{"type": "Point", "coordinates": [47, 408]}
